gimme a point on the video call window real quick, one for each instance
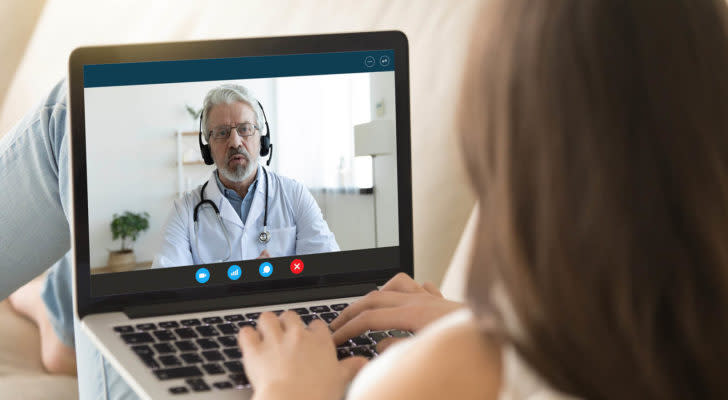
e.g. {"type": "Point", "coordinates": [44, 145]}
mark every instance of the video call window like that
{"type": "Point", "coordinates": [331, 181]}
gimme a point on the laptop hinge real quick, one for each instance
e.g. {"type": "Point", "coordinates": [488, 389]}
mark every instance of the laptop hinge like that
{"type": "Point", "coordinates": [250, 300]}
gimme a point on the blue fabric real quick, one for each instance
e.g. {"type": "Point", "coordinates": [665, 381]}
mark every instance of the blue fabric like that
{"type": "Point", "coordinates": [34, 234]}
{"type": "Point", "coordinates": [241, 205]}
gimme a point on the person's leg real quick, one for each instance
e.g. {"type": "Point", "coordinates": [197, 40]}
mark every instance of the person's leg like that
{"type": "Point", "coordinates": [33, 218]}
{"type": "Point", "coordinates": [56, 349]}
{"type": "Point", "coordinates": [35, 193]}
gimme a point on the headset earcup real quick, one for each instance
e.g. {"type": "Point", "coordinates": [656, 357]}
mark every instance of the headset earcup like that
{"type": "Point", "coordinates": [264, 145]}
{"type": "Point", "coordinates": [205, 151]}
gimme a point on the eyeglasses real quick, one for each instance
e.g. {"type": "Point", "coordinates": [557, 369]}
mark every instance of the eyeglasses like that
{"type": "Point", "coordinates": [245, 130]}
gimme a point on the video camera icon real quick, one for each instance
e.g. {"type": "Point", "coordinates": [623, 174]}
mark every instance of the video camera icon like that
{"type": "Point", "coordinates": [202, 275]}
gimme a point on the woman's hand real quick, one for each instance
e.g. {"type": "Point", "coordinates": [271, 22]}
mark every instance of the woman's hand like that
{"type": "Point", "coordinates": [284, 359]}
{"type": "Point", "coordinates": [400, 304]}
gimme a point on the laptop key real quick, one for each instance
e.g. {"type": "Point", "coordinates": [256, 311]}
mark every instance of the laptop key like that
{"type": "Point", "coordinates": [212, 320]}
{"type": "Point", "coordinates": [361, 340]}
{"type": "Point", "coordinates": [239, 380]}
{"type": "Point", "coordinates": [163, 348]}
{"type": "Point", "coordinates": [227, 329]}
{"type": "Point", "coordinates": [185, 345]}
{"type": "Point", "coordinates": [212, 355]}
{"type": "Point", "coordinates": [319, 309]}
{"type": "Point", "coordinates": [191, 358]}
{"type": "Point", "coordinates": [146, 327]}
{"type": "Point", "coordinates": [300, 311]}
{"type": "Point", "coordinates": [207, 331]}
{"type": "Point", "coordinates": [362, 351]}
{"type": "Point", "coordinates": [207, 344]}
{"type": "Point", "coordinates": [168, 324]}
{"type": "Point", "coordinates": [170, 361]}
{"type": "Point", "coordinates": [308, 318]}
{"type": "Point", "coordinates": [164, 336]}
{"type": "Point", "coordinates": [234, 317]}
{"type": "Point", "coordinates": [124, 329]}
{"type": "Point", "coordinates": [228, 341]}
{"type": "Point", "coordinates": [233, 353]}
{"type": "Point", "coordinates": [328, 317]}
{"type": "Point", "coordinates": [142, 350]}
{"type": "Point", "coordinates": [198, 384]}
{"type": "Point", "coordinates": [247, 323]}
{"type": "Point", "coordinates": [149, 361]}
{"type": "Point", "coordinates": [399, 333]}
{"type": "Point", "coordinates": [185, 333]}
{"type": "Point", "coordinates": [277, 312]}
{"type": "Point", "coordinates": [179, 372]}
{"type": "Point", "coordinates": [234, 366]}
{"type": "Point", "coordinates": [137, 338]}
{"type": "Point", "coordinates": [378, 336]}
{"type": "Point", "coordinates": [223, 385]}
{"type": "Point", "coordinates": [339, 307]}
{"type": "Point", "coordinates": [213, 369]}
{"type": "Point", "coordinates": [253, 315]}
{"type": "Point", "coordinates": [342, 353]}
{"type": "Point", "coordinates": [178, 390]}
{"type": "Point", "coordinates": [191, 322]}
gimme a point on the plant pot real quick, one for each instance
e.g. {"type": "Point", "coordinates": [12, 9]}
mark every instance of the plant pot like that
{"type": "Point", "coordinates": [121, 260]}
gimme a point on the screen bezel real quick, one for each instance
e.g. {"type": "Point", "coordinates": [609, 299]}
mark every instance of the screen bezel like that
{"type": "Point", "coordinates": [389, 40]}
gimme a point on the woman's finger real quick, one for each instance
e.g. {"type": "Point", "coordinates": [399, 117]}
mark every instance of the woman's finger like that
{"type": "Point", "coordinates": [401, 283]}
{"type": "Point", "coordinates": [269, 326]}
{"type": "Point", "coordinates": [373, 300]}
{"type": "Point", "coordinates": [248, 339]}
{"type": "Point", "coordinates": [432, 289]}
{"type": "Point", "coordinates": [384, 344]}
{"type": "Point", "coordinates": [378, 319]}
{"type": "Point", "coordinates": [290, 320]}
{"type": "Point", "coordinates": [350, 366]}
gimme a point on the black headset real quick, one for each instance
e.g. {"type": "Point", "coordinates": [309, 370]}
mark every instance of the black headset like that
{"type": "Point", "coordinates": [266, 147]}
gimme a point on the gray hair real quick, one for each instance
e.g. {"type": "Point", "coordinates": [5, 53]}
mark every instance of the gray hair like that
{"type": "Point", "coordinates": [226, 94]}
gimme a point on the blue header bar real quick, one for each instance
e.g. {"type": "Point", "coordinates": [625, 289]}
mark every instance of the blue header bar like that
{"type": "Point", "coordinates": [143, 73]}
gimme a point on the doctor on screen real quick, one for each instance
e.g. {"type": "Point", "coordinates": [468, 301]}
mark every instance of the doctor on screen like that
{"type": "Point", "coordinates": [244, 211]}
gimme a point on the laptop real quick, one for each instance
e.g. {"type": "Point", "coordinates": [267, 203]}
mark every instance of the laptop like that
{"type": "Point", "coordinates": [172, 257]}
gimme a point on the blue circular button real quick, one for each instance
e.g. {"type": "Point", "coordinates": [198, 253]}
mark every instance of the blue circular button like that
{"type": "Point", "coordinates": [265, 269]}
{"type": "Point", "coordinates": [234, 272]}
{"type": "Point", "coordinates": [202, 275]}
{"type": "Point", "coordinates": [369, 61]}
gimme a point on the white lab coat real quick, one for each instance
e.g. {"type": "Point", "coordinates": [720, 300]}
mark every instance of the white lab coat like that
{"type": "Point", "coordinates": [295, 223]}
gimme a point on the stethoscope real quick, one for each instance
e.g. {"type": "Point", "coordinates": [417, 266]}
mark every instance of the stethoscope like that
{"type": "Point", "coordinates": [263, 237]}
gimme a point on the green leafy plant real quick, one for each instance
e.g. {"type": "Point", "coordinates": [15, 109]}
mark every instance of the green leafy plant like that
{"type": "Point", "coordinates": [193, 113]}
{"type": "Point", "coordinates": [127, 227]}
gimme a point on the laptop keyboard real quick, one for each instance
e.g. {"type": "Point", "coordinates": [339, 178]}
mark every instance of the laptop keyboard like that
{"type": "Point", "coordinates": [205, 353]}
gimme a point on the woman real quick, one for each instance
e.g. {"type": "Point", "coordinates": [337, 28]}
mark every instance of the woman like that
{"type": "Point", "coordinates": [594, 133]}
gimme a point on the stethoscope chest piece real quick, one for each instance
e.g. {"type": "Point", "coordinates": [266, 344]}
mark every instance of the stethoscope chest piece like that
{"type": "Point", "coordinates": [264, 237]}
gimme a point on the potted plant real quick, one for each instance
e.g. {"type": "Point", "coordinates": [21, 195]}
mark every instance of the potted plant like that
{"type": "Point", "coordinates": [194, 114]}
{"type": "Point", "coordinates": [127, 227]}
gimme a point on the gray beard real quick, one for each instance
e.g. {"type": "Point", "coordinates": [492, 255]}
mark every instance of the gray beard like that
{"type": "Point", "coordinates": [239, 173]}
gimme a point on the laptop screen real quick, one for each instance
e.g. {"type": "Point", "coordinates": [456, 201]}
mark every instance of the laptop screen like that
{"type": "Point", "coordinates": [236, 171]}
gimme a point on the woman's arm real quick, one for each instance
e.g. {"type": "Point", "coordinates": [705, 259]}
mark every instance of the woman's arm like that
{"type": "Point", "coordinates": [455, 361]}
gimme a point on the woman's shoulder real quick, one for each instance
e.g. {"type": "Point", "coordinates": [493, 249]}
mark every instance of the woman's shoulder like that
{"type": "Point", "coordinates": [449, 359]}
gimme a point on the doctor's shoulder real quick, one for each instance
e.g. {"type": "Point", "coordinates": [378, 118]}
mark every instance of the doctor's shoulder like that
{"type": "Point", "coordinates": [185, 205]}
{"type": "Point", "coordinates": [290, 187]}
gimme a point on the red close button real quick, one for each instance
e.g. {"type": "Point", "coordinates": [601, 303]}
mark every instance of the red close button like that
{"type": "Point", "coordinates": [297, 266]}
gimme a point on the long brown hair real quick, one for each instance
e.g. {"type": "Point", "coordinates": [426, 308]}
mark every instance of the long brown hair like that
{"type": "Point", "coordinates": [596, 137]}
